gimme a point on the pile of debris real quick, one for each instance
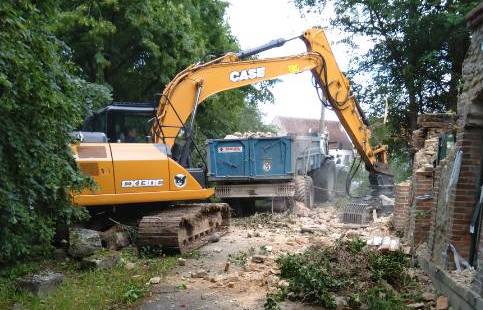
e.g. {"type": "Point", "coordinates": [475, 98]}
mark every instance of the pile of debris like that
{"type": "Point", "coordinates": [250, 134]}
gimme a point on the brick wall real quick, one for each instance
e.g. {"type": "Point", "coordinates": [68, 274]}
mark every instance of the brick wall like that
{"type": "Point", "coordinates": [441, 219]}
{"type": "Point", "coordinates": [401, 206]}
{"type": "Point", "coordinates": [464, 195]}
{"type": "Point", "coordinates": [423, 203]}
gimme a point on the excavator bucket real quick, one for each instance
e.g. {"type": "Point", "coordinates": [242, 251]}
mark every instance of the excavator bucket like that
{"type": "Point", "coordinates": [356, 212]}
{"type": "Point", "coordinates": [360, 211]}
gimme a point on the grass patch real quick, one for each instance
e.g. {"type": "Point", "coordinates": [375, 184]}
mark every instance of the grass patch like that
{"type": "Point", "coordinates": [116, 288]}
{"type": "Point", "coordinates": [365, 279]}
{"type": "Point", "coordinates": [195, 254]}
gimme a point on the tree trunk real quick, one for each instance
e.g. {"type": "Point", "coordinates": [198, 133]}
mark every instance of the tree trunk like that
{"type": "Point", "coordinates": [412, 110]}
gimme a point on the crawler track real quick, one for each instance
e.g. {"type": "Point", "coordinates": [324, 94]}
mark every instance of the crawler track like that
{"type": "Point", "coordinates": [183, 227]}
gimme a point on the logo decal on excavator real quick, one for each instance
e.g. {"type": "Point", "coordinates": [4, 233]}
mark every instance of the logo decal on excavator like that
{"type": "Point", "coordinates": [142, 183]}
{"type": "Point", "coordinates": [247, 74]}
{"type": "Point", "coordinates": [293, 68]}
{"type": "Point", "coordinates": [180, 180]}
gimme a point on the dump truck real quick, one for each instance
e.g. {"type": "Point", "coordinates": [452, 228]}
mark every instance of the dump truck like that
{"type": "Point", "coordinates": [284, 169]}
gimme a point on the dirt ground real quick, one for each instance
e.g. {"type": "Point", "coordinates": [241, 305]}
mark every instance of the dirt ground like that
{"type": "Point", "coordinates": [250, 249]}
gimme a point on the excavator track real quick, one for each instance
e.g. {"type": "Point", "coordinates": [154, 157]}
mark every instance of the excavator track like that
{"type": "Point", "coordinates": [183, 227]}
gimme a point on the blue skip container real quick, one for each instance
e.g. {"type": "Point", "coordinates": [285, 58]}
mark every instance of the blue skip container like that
{"type": "Point", "coordinates": [250, 159]}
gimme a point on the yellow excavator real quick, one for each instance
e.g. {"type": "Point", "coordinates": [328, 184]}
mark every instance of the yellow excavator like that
{"type": "Point", "coordinates": [147, 175]}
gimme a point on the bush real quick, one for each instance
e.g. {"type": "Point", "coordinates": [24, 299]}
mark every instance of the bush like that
{"type": "Point", "coordinates": [41, 101]}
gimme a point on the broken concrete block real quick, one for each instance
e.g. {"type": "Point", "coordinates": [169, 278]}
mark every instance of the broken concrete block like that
{"type": "Point", "coordinates": [200, 274]}
{"type": "Point", "coordinates": [83, 242]}
{"type": "Point", "coordinates": [258, 258]}
{"type": "Point", "coordinates": [115, 238]}
{"type": "Point", "coordinates": [419, 305]}
{"type": "Point", "coordinates": [104, 259]}
{"type": "Point", "coordinates": [442, 303]}
{"type": "Point", "coordinates": [427, 296]}
{"type": "Point", "coordinates": [181, 261]}
{"type": "Point", "coordinates": [215, 237]}
{"type": "Point", "coordinates": [341, 302]}
{"type": "Point", "coordinates": [374, 241]}
{"type": "Point", "coordinates": [154, 280]}
{"type": "Point", "coordinates": [395, 244]}
{"type": "Point", "coordinates": [40, 284]}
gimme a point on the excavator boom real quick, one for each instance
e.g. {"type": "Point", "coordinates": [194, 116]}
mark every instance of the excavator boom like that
{"type": "Point", "coordinates": [192, 86]}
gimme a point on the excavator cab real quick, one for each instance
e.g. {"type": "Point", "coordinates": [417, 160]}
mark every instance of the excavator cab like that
{"type": "Point", "coordinates": [122, 122]}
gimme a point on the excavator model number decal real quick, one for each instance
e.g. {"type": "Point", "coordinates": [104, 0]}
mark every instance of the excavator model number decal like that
{"type": "Point", "coordinates": [142, 183]}
{"type": "Point", "coordinates": [247, 74]}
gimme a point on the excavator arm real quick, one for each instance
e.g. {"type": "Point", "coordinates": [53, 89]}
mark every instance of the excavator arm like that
{"type": "Point", "coordinates": [191, 87]}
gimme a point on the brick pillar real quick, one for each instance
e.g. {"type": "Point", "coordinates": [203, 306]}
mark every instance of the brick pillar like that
{"type": "Point", "coordinates": [464, 195]}
{"type": "Point", "coordinates": [436, 186]}
{"type": "Point", "coordinates": [423, 201]}
{"type": "Point", "coordinates": [401, 206]}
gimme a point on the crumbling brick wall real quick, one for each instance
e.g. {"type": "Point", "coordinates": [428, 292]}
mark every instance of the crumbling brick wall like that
{"type": "Point", "coordinates": [470, 135]}
{"type": "Point", "coordinates": [422, 203]}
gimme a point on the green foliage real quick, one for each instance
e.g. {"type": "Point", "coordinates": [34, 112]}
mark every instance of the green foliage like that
{"type": "Point", "coordinates": [138, 46]}
{"type": "Point", "coordinates": [380, 298]}
{"type": "Point", "coordinates": [399, 155]}
{"type": "Point", "coordinates": [356, 245]}
{"type": "Point", "coordinates": [371, 280]}
{"type": "Point", "coordinates": [416, 56]}
{"type": "Point", "coordinates": [41, 101]}
{"type": "Point", "coordinates": [271, 304]}
{"type": "Point", "coordinates": [389, 267]}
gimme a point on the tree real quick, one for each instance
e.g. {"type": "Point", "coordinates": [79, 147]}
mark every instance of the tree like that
{"type": "Point", "coordinates": [138, 46]}
{"type": "Point", "coordinates": [41, 101]}
{"type": "Point", "coordinates": [416, 58]}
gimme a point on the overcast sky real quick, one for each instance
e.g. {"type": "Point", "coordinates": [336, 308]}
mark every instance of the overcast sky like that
{"type": "Point", "coordinates": [255, 22]}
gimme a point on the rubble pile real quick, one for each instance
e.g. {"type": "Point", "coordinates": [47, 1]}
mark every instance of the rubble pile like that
{"type": "Point", "coordinates": [242, 266]}
{"type": "Point", "coordinates": [250, 134]}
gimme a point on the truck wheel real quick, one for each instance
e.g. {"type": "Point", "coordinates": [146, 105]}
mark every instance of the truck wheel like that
{"type": "Point", "coordinates": [282, 204]}
{"type": "Point", "coordinates": [304, 190]}
{"type": "Point", "coordinates": [309, 188]}
{"type": "Point", "coordinates": [324, 179]}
